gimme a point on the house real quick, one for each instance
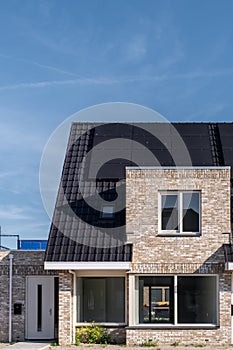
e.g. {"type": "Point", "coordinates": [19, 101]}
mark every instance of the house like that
{"type": "Point", "coordinates": [138, 232]}
{"type": "Point", "coordinates": [139, 240]}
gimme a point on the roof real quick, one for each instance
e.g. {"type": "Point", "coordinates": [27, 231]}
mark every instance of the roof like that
{"type": "Point", "coordinates": [94, 168]}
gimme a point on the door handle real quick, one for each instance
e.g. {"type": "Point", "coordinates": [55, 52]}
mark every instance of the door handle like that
{"type": "Point", "coordinates": [50, 311]}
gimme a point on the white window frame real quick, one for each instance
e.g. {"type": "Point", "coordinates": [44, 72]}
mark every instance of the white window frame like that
{"type": "Point", "coordinates": [175, 324]}
{"type": "Point", "coordinates": [180, 231]}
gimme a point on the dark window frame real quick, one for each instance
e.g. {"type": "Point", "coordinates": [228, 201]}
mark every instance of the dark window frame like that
{"type": "Point", "coordinates": [206, 315]}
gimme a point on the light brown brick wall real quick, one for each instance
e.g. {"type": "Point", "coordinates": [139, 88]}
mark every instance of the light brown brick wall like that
{"type": "Point", "coordinates": [182, 336]}
{"type": "Point", "coordinates": [65, 308]}
{"type": "Point", "coordinates": [154, 254]}
{"type": "Point", "coordinates": [142, 187]}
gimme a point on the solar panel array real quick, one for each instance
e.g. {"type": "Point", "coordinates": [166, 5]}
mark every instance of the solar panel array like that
{"type": "Point", "coordinates": [95, 161]}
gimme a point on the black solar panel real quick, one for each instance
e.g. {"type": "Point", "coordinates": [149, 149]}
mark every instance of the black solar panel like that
{"type": "Point", "coordinates": [226, 135]}
{"type": "Point", "coordinates": [191, 129]}
{"type": "Point", "coordinates": [228, 156]}
{"type": "Point", "coordinates": [197, 142]}
{"type": "Point", "coordinates": [201, 157]}
{"type": "Point", "coordinates": [227, 141]}
{"type": "Point", "coordinates": [225, 129]}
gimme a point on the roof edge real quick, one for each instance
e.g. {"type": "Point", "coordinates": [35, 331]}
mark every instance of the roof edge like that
{"type": "Point", "coordinates": [92, 265]}
{"type": "Point", "coordinates": [178, 167]}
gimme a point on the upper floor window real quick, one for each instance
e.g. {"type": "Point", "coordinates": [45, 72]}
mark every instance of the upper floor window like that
{"type": "Point", "coordinates": [179, 212]}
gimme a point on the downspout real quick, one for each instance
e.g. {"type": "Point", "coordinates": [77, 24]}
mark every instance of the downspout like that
{"type": "Point", "coordinates": [72, 335]}
{"type": "Point", "coordinates": [10, 298]}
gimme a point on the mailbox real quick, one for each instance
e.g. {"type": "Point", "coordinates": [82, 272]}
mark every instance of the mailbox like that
{"type": "Point", "coordinates": [17, 309]}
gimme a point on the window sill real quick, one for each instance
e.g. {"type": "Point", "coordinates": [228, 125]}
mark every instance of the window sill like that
{"type": "Point", "coordinates": [106, 324]}
{"type": "Point", "coordinates": [172, 326]}
{"type": "Point", "coordinates": [179, 234]}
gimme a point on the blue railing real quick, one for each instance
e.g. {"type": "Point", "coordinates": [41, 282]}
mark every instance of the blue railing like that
{"type": "Point", "coordinates": [35, 244]}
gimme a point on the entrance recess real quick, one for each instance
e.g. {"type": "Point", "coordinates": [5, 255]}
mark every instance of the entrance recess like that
{"type": "Point", "coordinates": [40, 307]}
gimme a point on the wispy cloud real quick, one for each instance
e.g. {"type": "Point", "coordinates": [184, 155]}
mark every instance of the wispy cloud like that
{"type": "Point", "coordinates": [198, 74]}
{"type": "Point", "coordinates": [51, 83]}
{"type": "Point", "coordinates": [38, 64]}
{"type": "Point", "coordinates": [13, 213]}
{"type": "Point", "coordinates": [26, 230]}
{"type": "Point", "coordinates": [7, 174]}
{"type": "Point", "coordinates": [63, 45]}
{"type": "Point", "coordinates": [51, 68]}
{"type": "Point", "coordinates": [210, 111]}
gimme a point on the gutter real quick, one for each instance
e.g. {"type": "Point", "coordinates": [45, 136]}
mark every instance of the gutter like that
{"type": "Point", "coordinates": [89, 265]}
{"type": "Point", "coordinates": [72, 334]}
{"type": "Point", "coordinates": [10, 298]}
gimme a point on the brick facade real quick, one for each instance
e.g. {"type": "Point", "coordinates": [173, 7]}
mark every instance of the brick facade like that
{"type": "Point", "coordinates": [156, 254]}
{"type": "Point", "coordinates": [65, 308]}
{"type": "Point", "coordinates": [25, 263]}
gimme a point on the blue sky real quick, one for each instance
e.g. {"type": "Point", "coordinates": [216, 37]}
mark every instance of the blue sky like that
{"type": "Point", "coordinates": [58, 57]}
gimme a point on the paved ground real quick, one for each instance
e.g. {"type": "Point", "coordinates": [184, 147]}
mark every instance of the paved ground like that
{"type": "Point", "coordinates": [159, 347]}
{"type": "Point", "coordinates": [26, 346]}
{"type": "Point", "coordinates": [46, 346]}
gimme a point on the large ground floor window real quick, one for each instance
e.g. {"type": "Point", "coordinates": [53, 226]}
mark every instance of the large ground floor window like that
{"type": "Point", "coordinates": [101, 299]}
{"type": "Point", "coordinates": [177, 299]}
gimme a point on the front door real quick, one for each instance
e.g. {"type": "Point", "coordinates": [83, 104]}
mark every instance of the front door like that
{"type": "Point", "coordinates": [40, 307]}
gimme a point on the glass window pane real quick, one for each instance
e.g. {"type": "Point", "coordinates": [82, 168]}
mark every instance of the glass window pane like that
{"type": "Point", "coordinates": [153, 308]}
{"type": "Point", "coordinates": [191, 212]}
{"type": "Point", "coordinates": [144, 303]}
{"type": "Point", "coordinates": [167, 294]}
{"type": "Point", "coordinates": [107, 212]}
{"type": "Point", "coordinates": [157, 294]}
{"type": "Point", "coordinates": [39, 307]}
{"type": "Point", "coordinates": [169, 212]}
{"type": "Point", "coordinates": [101, 299]}
{"type": "Point", "coordinates": [197, 300]}
{"type": "Point", "coordinates": [115, 302]}
{"type": "Point", "coordinates": [94, 299]}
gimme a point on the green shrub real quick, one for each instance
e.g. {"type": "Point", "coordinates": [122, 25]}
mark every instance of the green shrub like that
{"type": "Point", "coordinates": [195, 345]}
{"type": "Point", "coordinates": [151, 343]}
{"type": "Point", "coordinates": [92, 334]}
